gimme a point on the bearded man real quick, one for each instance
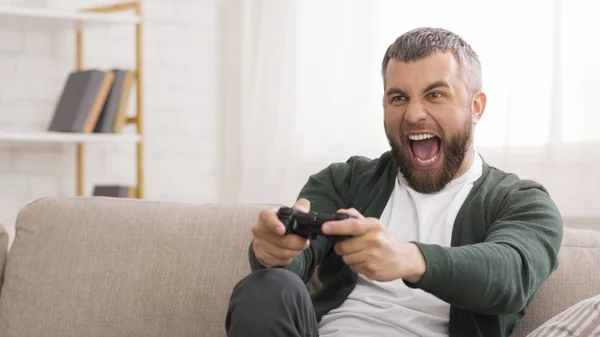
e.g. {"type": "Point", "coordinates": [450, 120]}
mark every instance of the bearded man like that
{"type": "Point", "coordinates": [442, 243]}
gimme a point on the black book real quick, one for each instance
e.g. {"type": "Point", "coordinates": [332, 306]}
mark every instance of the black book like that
{"type": "Point", "coordinates": [81, 102]}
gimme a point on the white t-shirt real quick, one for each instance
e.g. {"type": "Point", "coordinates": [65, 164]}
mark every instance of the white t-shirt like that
{"type": "Point", "coordinates": [391, 308]}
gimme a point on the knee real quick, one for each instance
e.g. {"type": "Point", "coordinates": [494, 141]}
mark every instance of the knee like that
{"type": "Point", "coordinates": [268, 289]}
{"type": "Point", "coordinates": [269, 281]}
{"type": "Point", "coordinates": [262, 295]}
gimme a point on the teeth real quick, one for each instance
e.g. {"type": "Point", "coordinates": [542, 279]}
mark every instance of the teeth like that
{"type": "Point", "coordinates": [428, 161]}
{"type": "Point", "coordinates": [420, 136]}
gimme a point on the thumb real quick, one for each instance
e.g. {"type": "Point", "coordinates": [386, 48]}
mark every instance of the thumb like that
{"type": "Point", "coordinates": [302, 204]}
{"type": "Point", "coordinates": [352, 211]}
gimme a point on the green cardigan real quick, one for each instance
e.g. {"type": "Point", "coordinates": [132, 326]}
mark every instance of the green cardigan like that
{"type": "Point", "coordinates": [505, 242]}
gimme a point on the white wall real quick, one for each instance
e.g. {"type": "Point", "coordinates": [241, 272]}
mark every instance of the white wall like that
{"type": "Point", "coordinates": [181, 103]}
{"type": "Point", "coordinates": [184, 76]}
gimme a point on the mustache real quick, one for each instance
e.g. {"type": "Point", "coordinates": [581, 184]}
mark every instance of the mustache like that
{"type": "Point", "coordinates": [434, 129]}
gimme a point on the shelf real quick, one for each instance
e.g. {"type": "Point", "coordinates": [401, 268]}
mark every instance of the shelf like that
{"type": "Point", "coordinates": [128, 12]}
{"type": "Point", "coordinates": [68, 16]}
{"type": "Point", "coordinates": [65, 137]}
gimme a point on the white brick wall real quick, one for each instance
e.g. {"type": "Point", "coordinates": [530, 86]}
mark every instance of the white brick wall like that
{"type": "Point", "coordinates": [181, 102]}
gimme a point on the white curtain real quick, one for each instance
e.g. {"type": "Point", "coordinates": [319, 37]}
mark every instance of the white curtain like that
{"type": "Point", "coordinates": [301, 89]}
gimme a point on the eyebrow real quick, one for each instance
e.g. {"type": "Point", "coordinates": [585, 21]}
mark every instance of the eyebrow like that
{"type": "Point", "coordinates": [437, 84]}
{"type": "Point", "coordinates": [395, 91]}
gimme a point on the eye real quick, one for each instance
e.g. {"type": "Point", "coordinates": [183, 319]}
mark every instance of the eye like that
{"type": "Point", "coordinates": [398, 98]}
{"type": "Point", "coordinates": [435, 95]}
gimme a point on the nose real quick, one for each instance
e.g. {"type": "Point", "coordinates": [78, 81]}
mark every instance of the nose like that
{"type": "Point", "coordinates": [415, 112]}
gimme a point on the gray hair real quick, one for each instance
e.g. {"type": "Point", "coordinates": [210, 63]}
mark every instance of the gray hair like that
{"type": "Point", "coordinates": [422, 42]}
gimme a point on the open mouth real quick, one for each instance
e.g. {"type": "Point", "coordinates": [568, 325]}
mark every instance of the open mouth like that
{"type": "Point", "coordinates": [425, 148]}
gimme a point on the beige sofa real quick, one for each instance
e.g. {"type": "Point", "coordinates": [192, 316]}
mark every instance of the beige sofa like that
{"type": "Point", "coordinates": [117, 267]}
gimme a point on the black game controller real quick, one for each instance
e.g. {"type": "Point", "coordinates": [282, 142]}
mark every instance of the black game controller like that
{"type": "Point", "coordinates": [308, 225]}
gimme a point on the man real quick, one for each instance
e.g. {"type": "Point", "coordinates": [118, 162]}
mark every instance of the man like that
{"type": "Point", "coordinates": [444, 244]}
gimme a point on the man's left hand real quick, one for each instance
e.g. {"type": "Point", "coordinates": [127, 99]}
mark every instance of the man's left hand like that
{"type": "Point", "coordinates": [373, 251]}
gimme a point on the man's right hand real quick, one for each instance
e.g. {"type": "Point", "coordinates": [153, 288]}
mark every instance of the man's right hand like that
{"type": "Point", "coordinates": [272, 248]}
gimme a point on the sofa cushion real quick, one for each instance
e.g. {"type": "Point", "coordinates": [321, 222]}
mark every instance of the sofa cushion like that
{"type": "Point", "coordinates": [117, 267]}
{"type": "Point", "coordinates": [3, 252]}
{"type": "Point", "coordinates": [581, 319]}
{"type": "Point", "coordinates": [577, 278]}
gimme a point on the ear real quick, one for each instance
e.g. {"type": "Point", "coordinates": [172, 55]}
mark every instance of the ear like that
{"type": "Point", "coordinates": [383, 92]}
{"type": "Point", "coordinates": [478, 106]}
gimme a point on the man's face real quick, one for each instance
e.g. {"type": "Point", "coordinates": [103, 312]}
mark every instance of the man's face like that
{"type": "Point", "coordinates": [428, 118]}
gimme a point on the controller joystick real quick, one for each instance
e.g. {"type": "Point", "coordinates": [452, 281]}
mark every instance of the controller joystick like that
{"type": "Point", "coordinates": [308, 225]}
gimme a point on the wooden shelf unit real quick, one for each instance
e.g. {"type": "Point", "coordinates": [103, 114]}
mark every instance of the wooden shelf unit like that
{"type": "Point", "coordinates": [68, 17]}
{"type": "Point", "coordinates": [138, 121]}
{"type": "Point", "coordinates": [80, 20]}
{"type": "Point", "coordinates": [67, 137]}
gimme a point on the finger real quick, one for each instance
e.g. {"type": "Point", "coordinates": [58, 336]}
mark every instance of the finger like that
{"type": "Point", "coordinates": [275, 252]}
{"type": "Point", "coordinates": [268, 260]}
{"type": "Point", "coordinates": [302, 204]}
{"type": "Point", "coordinates": [264, 231]}
{"type": "Point", "coordinates": [351, 211]}
{"type": "Point", "coordinates": [363, 268]}
{"type": "Point", "coordinates": [290, 241]}
{"type": "Point", "coordinates": [355, 259]}
{"type": "Point", "coordinates": [352, 227]}
{"type": "Point", "coordinates": [349, 246]}
{"type": "Point", "coordinates": [269, 220]}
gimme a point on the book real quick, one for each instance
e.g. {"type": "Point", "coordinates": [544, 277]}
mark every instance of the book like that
{"type": "Point", "coordinates": [83, 97]}
{"type": "Point", "coordinates": [113, 114]}
{"type": "Point", "coordinates": [121, 116]}
{"type": "Point", "coordinates": [115, 191]}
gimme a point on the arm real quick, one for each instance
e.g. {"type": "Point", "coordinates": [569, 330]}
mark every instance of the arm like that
{"type": "Point", "coordinates": [327, 191]}
{"type": "Point", "coordinates": [500, 275]}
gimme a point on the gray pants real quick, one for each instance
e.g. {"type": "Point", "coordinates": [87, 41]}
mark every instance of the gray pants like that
{"type": "Point", "coordinates": [271, 302]}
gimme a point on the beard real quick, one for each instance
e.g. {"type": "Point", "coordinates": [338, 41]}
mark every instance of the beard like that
{"type": "Point", "coordinates": [454, 150]}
